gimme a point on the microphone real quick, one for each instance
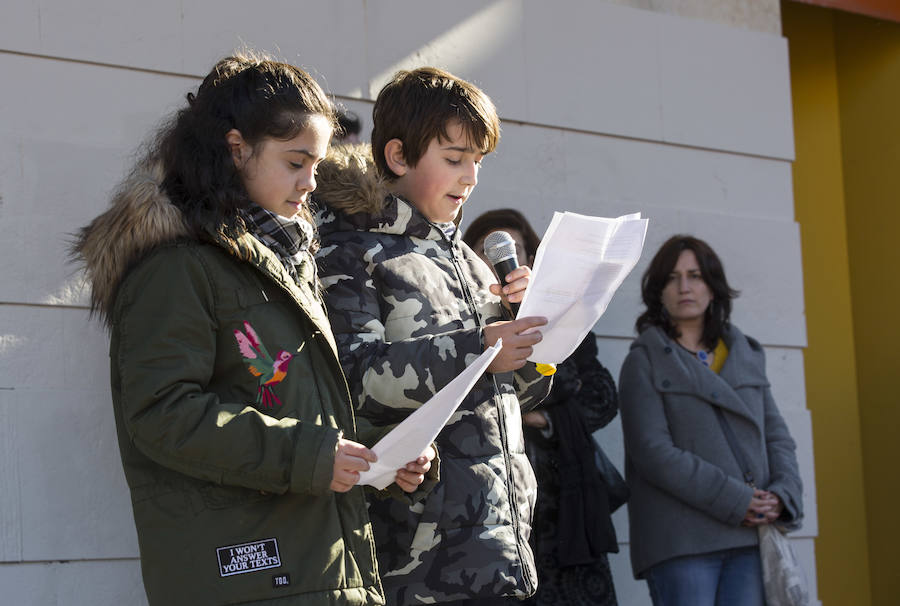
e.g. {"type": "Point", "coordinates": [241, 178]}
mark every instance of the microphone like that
{"type": "Point", "coordinates": [500, 250]}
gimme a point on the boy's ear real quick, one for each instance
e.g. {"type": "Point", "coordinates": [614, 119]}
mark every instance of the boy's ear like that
{"type": "Point", "coordinates": [238, 147]}
{"type": "Point", "coordinates": [394, 157]}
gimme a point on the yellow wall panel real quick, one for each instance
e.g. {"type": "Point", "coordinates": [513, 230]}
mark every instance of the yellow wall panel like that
{"type": "Point", "coordinates": [830, 359]}
{"type": "Point", "coordinates": [868, 68]}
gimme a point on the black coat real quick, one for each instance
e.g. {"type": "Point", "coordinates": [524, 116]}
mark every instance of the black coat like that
{"type": "Point", "coordinates": [572, 526]}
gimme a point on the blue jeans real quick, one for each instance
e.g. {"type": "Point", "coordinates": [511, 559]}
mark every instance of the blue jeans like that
{"type": "Point", "coordinates": [732, 577]}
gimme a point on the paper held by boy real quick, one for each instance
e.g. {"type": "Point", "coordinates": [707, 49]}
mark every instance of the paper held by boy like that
{"type": "Point", "coordinates": [410, 438]}
{"type": "Point", "coordinates": [578, 267]}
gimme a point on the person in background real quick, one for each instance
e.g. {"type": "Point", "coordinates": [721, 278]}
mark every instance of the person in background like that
{"type": "Point", "coordinates": [692, 515]}
{"type": "Point", "coordinates": [237, 436]}
{"type": "Point", "coordinates": [558, 439]}
{"type": "Point", "coordinates": [349, 127]}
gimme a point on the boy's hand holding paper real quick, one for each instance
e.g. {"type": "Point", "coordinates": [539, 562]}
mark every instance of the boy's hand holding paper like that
{"type": "Point", "coordinates": [411, 437]}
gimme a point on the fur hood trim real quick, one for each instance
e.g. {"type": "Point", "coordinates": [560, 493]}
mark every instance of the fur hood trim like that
{"type": "Point", "coordinates": [139, 219]}
{"type": "Point", "coordinates": [348, 180]}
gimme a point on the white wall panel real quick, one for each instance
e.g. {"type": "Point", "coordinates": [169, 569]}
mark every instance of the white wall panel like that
{"type": "Point", "coordinates": [625, 71]}
{"type": "Point", "coordinates": [480, 41]}
{"type": "Point", "coordinates": [629, 591]}
{"type": "Point", "coordinates": [604, 57]}
{"type": "Point", "coordinates": [784, 368]}
{"type": "Point", "coordinates": [76, 102]}
{"type": "Point", "coordinates": [800, 424]}
{"type": "Point", "coordinates": [10, 501]}
{"type": "Point", "coordinates": [98, 583]}
{"type": "Point", "coordinates": [52, 349]}
{"type": "Point", "coordinates": [640, 173]}
{"type": "Point", "coordinates": [20, 27]}
{"type": "Point", "coordinates": [326, 38]}
{"type": "Point", "coordinates": [526, 172]}
{"type": "Point", "coordinates": [72, 492]}
{"type": "Point", "coordinates": [122, 32]}
{"type": "Point", "coordinates": [582, 172]}
{"type": "Point", "coordinates": [56, 200]}
{"type": "Point", "coordinates": [805, 550]}
{"type": "Point", "coordinates": [75, 502]}
{"type": "Point", "coordinates": [725, 88]}
{"type": "Point", "coordinates": [59, 164]}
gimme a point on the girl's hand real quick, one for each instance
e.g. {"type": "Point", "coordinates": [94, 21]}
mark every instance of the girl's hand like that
{"type": "Point", "coordinates": [517, 282]}
{"type": "Point", "coordinates": [408, 479]}
{"type": "Point", "coordinates": [516, 346]}
{"type": "Point", "coordinates": [350, 459]}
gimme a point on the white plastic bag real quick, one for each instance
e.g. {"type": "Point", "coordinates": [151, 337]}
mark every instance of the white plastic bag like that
{"type": "Point", "coordinates": [783, 577]}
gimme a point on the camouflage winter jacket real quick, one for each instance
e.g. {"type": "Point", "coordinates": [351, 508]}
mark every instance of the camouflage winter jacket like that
{"type": "Point", "coordinates": [407, 306]}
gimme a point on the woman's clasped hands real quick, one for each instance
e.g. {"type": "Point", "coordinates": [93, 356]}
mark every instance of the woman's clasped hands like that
{"type": "Point", "coordinates": [765, 507]}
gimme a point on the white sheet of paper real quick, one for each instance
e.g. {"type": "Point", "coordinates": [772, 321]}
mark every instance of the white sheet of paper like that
{"type": "Point", "coordinates": [410, 438]}
{"type": "Point", "coordinates": [579, 265]}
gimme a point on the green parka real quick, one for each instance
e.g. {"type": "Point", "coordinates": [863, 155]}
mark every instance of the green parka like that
{"type": "Point", "coordinates": [229, 401]}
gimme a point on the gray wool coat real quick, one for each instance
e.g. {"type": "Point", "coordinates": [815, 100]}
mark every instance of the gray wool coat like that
{"type": "Point", "coordinates": [688, 495]}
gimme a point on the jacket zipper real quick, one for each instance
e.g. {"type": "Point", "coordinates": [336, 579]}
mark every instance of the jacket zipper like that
{"type": "Point", "coordinates": [501, 414]}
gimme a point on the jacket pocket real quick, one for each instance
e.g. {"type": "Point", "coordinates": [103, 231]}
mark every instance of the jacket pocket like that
{"type": "Point", "coordinates": [427, 529]}
{"type": "Point", "coordinates": [403, 532]}
{"type": "Point", "coordinates": [242, 298]}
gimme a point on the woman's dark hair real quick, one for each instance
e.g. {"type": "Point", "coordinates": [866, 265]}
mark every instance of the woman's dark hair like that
{"type": "Point", "coordinates": [718, 313]}
{"type": "Point", "coordinates": [348, 123]}
{"type": "Point", "coordinates": [259, 97]}
{"type": "Point", "coordinates": [501, 219]}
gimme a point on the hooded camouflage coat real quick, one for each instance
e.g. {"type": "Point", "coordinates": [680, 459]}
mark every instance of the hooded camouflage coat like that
{"type": "Point", "coordinates": [407, 305]}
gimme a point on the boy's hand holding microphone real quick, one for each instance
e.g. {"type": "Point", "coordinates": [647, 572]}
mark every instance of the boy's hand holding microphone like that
{"type": "Point", "coordinates": [500, 250]}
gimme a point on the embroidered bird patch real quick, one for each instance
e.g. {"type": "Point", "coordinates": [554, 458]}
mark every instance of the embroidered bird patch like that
{"type": "Point", "coordinates": [269, 372]}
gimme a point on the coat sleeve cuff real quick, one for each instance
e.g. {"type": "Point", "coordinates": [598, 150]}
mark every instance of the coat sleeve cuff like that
{"type": "Point", "coordinates": [792, 516]}
{"type": "Point", "coordinates": [313, 467]}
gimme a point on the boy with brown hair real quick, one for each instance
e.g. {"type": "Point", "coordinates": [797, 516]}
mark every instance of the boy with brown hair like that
{"type": "Point", "coordinates": [410, 305]}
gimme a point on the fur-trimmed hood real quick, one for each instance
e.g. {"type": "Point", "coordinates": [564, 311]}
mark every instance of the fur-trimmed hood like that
{"type": "Point", "coordinates": [351, 196]}
{"type": "Point", "coordinates": [140, 218]}
{"type": "Point", "coordinates": [348, 180]}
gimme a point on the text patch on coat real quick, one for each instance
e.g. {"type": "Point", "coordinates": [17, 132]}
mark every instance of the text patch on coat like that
{"type": "Point", "coordinates": [248, 557]}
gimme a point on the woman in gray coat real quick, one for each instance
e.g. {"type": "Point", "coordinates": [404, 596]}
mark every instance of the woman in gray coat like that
{"type": "Point", "coordinates": [692, 516]}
